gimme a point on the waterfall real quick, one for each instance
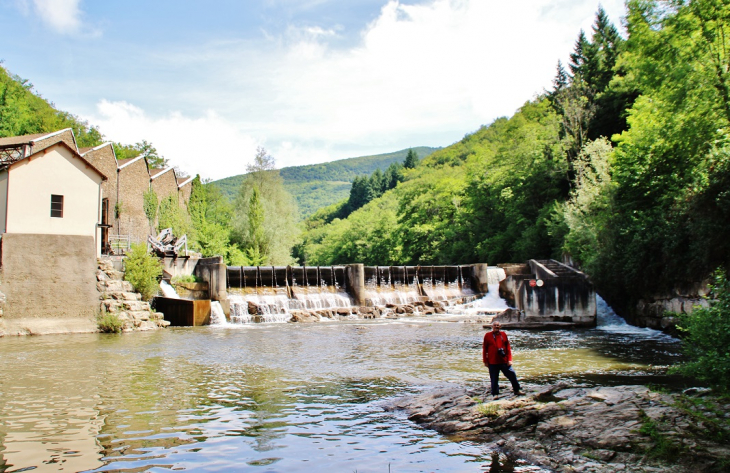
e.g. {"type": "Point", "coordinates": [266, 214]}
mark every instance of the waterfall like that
{"type": "Point", "coordinates": [168, 290]}
{"type": "Point", "coordinates": [495, 275]}
{"type": "Point", "coordinates": [217, 317]}
{"type": "Point", "coordinates": [239, 310]}
{"type": "Point", "coordinates": [609, 321]}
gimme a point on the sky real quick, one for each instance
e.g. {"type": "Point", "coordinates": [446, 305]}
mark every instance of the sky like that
{"type": "Point", "coordinates": [208, 82]}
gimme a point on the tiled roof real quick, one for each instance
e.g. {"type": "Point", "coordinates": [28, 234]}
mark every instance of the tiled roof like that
{"type": "Point", "coordinates": [20, 140]}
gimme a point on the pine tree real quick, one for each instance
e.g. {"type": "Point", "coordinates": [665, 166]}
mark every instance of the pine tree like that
{"type": "Point", "coordinates": [411, 160]}
{"type": "Point", "coordinates": [393, 175]}
{"type": "Point", "coordinates": [577, 57]}
{"type": "Point", "coordinates": [560, 82]}
{"type": "Point", "coordinates": [377, 184]}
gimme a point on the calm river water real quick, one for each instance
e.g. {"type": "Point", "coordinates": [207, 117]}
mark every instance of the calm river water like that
{"type": "Point", "coordinates": [278, 397]}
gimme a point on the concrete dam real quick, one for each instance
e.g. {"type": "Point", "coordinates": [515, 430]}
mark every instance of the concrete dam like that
{"type": "Point", "coordinates": [541, 292]}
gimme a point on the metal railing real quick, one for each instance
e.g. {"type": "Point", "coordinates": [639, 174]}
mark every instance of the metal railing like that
{"type": "Point", "coordinates": [120, 244]}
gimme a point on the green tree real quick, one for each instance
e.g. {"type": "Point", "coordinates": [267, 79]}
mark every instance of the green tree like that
{"type": "Point", "coordinates": [143, 270]}
{"type": "Point", "coordinates": [393, 175]}
{"type": "Point", "coordinates": [361, 193]}
{"type": "Point", "coordinates": [22, 112]}
{"type": "Point", "coordinates": [411, 160]}
{"type": "Point", "coordinates": [587, 211]}
{"type": "Point", "coordinates": [663, 165]}
{"type": "Point", "coordinates": [267, 223]}
{"type": "Point", "coordinates": [143, 148]}
{"type": "Point", "coordinates": [258, 243]}
{"type": "Point", "coordinates": [150, 205]}
{"type": "Point", "coordinates": [172, 215]}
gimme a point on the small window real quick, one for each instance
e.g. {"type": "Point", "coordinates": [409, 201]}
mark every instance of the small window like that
{"type": "Point", "coordinates": [56, 206]}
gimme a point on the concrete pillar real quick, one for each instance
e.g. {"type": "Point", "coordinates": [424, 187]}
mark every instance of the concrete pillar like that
{"type": "Point", "coordinates": [356, 283]}
{"type": "Point", "coordinates": [480, 277]}
{"type": "Point", "coordinates": [213, 271]}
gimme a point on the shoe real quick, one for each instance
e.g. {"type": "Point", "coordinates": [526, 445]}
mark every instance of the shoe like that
{"type": "Point", "coordinates": [519, 393]}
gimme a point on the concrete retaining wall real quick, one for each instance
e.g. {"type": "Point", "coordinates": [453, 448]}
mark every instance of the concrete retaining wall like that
{"type": "Point", "coordinates": [50, 284]}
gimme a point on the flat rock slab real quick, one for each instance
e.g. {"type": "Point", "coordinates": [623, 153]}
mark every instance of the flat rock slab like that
{"type": "Point", "coordinates": [561, 428]}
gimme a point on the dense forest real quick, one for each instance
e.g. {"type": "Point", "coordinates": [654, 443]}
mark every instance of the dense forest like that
{"type": "Point", "coordinates": [622, 167]}
{"type": "Point", "coordinates": [314, 186]}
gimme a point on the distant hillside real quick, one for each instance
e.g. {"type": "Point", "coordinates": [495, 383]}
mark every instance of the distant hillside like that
{"type": "Point", "coordinates": [24, 112]}
{"type": "Point", "coordinates": [318, 185]}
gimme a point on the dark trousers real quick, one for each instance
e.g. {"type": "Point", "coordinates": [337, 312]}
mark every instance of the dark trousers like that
{"type": "Point", "coordinates": [509, 373]}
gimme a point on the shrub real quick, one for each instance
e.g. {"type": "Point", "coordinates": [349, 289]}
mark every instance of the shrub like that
{"type": "Point", "coordinates": [188, 278]}
{"type": "Point", "coordinates": [706, 337]}
{"type": "Point", "coordinates": [109, 322]}
{"type": "Point", "coordinates": [143, 270]}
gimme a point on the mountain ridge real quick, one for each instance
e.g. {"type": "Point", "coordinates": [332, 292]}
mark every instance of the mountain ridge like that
{"type": "Point", "coordinates": [314, 186]}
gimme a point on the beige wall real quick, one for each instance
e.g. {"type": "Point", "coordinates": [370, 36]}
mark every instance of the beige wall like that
{"type": "Point", "coordinates": [53, 171]}
{"type": "Point", "coordinates": [49, 282]}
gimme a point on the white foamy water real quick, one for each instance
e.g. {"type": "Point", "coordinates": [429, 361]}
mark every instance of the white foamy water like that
{"type": "Point", "coordinates": [491, 303]}
{"type": "Point", "coordinates": [610, 321]}
{"type": "Point", "coordinates": [217, 316]}
{"type": "Point", "coordinates": [167, 290]}
{"type": "Point", "coordinates": [495, 275]}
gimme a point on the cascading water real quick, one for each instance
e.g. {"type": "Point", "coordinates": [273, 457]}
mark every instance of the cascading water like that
{"type": "Point", "coordinates": [608, 321]}
{"type": "Point", "coordinates": [491, 303]}
{"type": "Point", "coordinates": [392, 285]}
{"type": "Point", "coordinates": [217, 316]}
{"type": "Point", "coordinates": [168, 290]}
{"type": "Point", "coordinates": [275, 297]}
{"type": "Point", "coordinates": [239, 310]}
{"type": "Point", "coordinates": [495, 274]}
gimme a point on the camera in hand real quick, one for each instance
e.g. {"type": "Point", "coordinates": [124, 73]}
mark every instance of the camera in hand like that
{"type": "Point", "coordinates": [501, 352]}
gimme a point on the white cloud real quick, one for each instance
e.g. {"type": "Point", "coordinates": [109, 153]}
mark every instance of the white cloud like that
{"type": "Point", "coordinates": [64, 16]}
{"type": "Point", "coordinates": [421, 74]}
{"type": "Point", "coordinates": [206, 145]}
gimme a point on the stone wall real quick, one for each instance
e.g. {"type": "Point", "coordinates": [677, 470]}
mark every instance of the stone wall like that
{"type": "Point", "coordinates": [655, 310]}
{"type": "Point", "coordinates": [50, 284]}
{"type": "Point", "coordinates": [184, 192]}
{"type": "Point", "coordinates": [164, 184]}
{"type": "Point", "coordinates": [134, 181]}
{"type": "Point", "coordinates": [103, 159]}
{"type": "Point", "coordinates": [66, 136]}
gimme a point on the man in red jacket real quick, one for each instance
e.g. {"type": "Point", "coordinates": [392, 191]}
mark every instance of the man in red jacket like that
{"type": "Point", "coordinates": [497, 356]}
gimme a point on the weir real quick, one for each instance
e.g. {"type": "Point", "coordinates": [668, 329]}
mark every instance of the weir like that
{"type": "Point", "coordinates": [538, 294]}
{"type": "Point", "coordinates": [273, 293]}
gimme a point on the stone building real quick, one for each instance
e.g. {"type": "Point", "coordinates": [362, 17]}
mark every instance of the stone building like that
{"type": "Point", "coordinates": [133, 180]}
{"type": "Point", "coordinates": [185, 188]}
{"type": "Point", "coordinates": [164, 183]}
{"type": "Point", "coordinates": [102, 157]}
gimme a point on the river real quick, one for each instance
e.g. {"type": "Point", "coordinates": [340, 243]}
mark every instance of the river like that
{"type": "Point", "coordinates": [279, 397]}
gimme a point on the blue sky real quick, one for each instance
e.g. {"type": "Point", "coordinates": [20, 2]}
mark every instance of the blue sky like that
{"type": "Point", "coordinates": [313, 80]}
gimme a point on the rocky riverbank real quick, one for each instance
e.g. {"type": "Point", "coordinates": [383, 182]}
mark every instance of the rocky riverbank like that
{"type": "Point", "coordinates": [119, 298]}
{"type": "Point", "coordinates": [604, 429]}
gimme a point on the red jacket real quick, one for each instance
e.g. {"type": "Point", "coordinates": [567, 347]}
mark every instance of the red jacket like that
{"type": "Point", "coordinates": [492, 343]}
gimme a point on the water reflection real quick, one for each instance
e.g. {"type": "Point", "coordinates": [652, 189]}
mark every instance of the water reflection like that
{"type": "Point", "coordinates": [285, 397]}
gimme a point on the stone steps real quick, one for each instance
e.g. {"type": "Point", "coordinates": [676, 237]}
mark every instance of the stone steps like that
{"type": "Point", "coordinates": [118, 297]}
